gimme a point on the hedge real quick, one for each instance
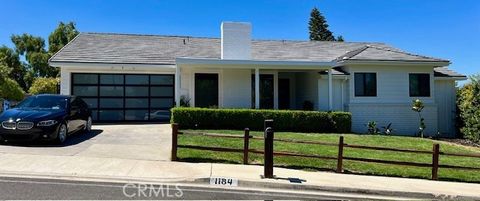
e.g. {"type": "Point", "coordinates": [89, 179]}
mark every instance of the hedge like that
{"type": "Point", "coordinates": [284, 120]}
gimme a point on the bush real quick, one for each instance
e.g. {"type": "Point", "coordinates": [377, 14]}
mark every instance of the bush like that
{"type": "Point", "coordinates": [10, 90]}
{"type": "Point", "coordinates": [284, 120]}
{"type": "Point", "coordinates": [468, 102]}
{"type": "Point", "coordinates": [44, 85]}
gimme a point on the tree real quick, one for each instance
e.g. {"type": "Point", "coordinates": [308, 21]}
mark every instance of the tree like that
{"type": "Point", "coordinates": [63, 34]}
{"type": "Point", "coordinates": [340, 39]}
{"type": "Point", "coordinates": [318, 28]}
{"type": "Point", "coordinates": [33, 48]}
{"type": "Point", "coordinates": [9, 88]}
{"type": "Point", "coordinates": [10, 60]}
{"type": "Point", "coordinates": [468, 102]}
{"type": "Point", "coordinates": [43, 85]}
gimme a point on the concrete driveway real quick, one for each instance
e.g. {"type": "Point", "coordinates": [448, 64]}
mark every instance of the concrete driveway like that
{"type": "Point", "coordinates": [135, 141]}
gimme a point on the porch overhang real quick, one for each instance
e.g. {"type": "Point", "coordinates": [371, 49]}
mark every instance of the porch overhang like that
{"type": "Point", "coordinates": [256, 66]}
{"type": "Point", "coordinates": [253, 64]}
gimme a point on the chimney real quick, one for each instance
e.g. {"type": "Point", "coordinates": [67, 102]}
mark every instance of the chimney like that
{"type": "Point", "coordinates": [236, 40]}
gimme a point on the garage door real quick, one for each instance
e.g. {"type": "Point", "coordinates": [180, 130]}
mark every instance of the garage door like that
{"type": "Point", "coordinates": [126, 97]}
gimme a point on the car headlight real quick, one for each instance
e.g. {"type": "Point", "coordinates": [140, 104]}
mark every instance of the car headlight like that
{"type": "Point", "coordinates": [47, 123]}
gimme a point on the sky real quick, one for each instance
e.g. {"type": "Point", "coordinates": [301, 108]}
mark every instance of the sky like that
{"type": "Point", "coordinates": [448, 29]}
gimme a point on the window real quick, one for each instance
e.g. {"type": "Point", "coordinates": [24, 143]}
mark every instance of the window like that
{"type": "Point", "coordinates": [365, 84]}
{"type": "Point", "coordinates": [85, 78]}
{"type": "Point", "coordinates": [161, 79]}
{"type": "Point", "coordinates": [419, 85]}
{"type": "Point", "coordinates": [206, 90]}
{"type": "Point", "coordinates": [111, 79]}
{"type": "Point", "coordinates": [136, 79]}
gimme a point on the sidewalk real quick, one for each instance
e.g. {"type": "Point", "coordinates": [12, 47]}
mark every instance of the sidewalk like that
{"type": "Point", "coordinates": [80, 167]}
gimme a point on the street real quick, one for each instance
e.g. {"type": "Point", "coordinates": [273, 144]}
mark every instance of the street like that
{"type": "Point", "coordinates": [46, 189]}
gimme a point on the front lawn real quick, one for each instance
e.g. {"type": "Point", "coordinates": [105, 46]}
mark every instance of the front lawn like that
{"type": "Point", "coordinates": [193, 155]}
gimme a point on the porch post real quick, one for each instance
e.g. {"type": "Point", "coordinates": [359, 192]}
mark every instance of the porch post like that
{"type": "Point", "coordinates": [330, 92]}
{"type": "Point", "coordinates": [177, 86]}
{"type": "Point", "coordinates": [257, 88]}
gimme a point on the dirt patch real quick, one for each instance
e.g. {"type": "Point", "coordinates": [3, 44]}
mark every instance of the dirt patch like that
{"type": "Point", "coordinates": [464, 142]}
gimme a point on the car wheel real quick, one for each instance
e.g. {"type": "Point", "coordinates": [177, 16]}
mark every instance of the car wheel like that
{"type": "Point", "coordinates": [61, 134]}
{"type": "Point", "coordinates": [88, 125]}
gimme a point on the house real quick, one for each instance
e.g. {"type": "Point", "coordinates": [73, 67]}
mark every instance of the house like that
{"type": "Point", "coordinates": [130, 77]}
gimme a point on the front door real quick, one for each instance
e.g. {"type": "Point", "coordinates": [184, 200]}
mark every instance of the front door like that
{"type": "Point", "coordinates": [266, 91]}
{"type": "Point", "coordinates": [206, 90]}
{"type": "Point", "coordinates": [284, 94]}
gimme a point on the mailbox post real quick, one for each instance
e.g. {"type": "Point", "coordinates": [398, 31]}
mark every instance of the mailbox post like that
{"type": "Point", "coordinates": [268, 152]}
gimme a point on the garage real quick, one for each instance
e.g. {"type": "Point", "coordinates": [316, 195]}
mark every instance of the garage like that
{"type": "Point", "coordinates": [126, 97]}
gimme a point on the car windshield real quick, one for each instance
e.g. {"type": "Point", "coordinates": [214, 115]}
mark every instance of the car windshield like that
{"type": "Point", "coordinates": [44, 102]}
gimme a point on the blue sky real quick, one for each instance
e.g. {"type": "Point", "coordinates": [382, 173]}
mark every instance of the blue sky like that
{"type": "Point", "coordinates": [447, 29]}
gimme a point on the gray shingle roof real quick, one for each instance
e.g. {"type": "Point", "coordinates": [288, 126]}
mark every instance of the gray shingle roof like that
{"type": "Point", "coordinates": [445, 72]}
{"type": "Point", "coordinates": [377, 53]}
{"type": "Point", "coordinates": [155, 49]}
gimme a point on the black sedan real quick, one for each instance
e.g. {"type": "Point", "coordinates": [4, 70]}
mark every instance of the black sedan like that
{"type": "Point", "coordinates": [45, 117]}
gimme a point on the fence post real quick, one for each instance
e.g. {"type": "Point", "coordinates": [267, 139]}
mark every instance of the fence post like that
{"type": "Point", "coordinates": [340, 155]}
{"type": "Point", "coordinates": [174, 141]}
{"type": "Point", "coordinates": [246, 139]}
{"type": "Point", "coordinates": [436, 153]}
{"type": "Point", "coordinates": [268, 152]}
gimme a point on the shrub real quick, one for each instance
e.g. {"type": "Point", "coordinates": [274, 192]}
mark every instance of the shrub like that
{"type": "Point", "coordinates": [417, 106]}
{"type": "Point", "coordinates": [372, 127]}
{"type": "Point", "coordinates": [10, 90]}
{"type": "Point", "coordinates": [284, 120]}
{"type": "Point", "coordinates": [468, 102]}
{"type": "Point", "coordinates": [184, 101]}
{"type": "Point", "coordinates": [44, 85]}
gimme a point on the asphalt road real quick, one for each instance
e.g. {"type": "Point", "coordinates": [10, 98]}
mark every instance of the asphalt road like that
{"type": "Point", "coordinates": [43, 189]}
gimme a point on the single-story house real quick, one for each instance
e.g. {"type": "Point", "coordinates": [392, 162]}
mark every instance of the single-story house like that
{"type": "Point", "coordinates": [132, 77]}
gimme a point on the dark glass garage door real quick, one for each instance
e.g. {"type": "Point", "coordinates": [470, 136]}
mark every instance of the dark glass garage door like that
{"type": "Point", "coordinates": [126, 97]}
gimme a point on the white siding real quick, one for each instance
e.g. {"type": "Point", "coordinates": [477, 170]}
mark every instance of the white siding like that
{"type": "Point", "coordinates": [306, 89]}
{"type": "Point", "coordinates": [237, 88]}
{"type": "Point", "coordinates": [404, 120]}
{"type": "Point", "coordinates": [392, 84]}
{"type": "Point", "coordinates": [393, 102]}
{"type": "Point", "coordinates": [234, 86]}
{"type": "Point", "coordinates": [65, 81]}
{"type": "Point", "coordinates": [445, 99]}
{"type": "Point", "coordinates": [323, 94]}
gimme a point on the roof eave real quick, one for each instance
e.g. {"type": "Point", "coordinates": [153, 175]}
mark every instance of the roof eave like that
{"type": "Point", "coordinates": [396, 62]}
{"type": "Point", "coordinates": [77, 64]}
{"type": "Point", "coordinates": [459, 78]}
{"type": "Point", "coordinates": [251, 64]}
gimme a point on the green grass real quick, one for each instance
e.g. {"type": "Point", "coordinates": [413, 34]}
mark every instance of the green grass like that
{"type": "Point", "coordinates": [193, 155]}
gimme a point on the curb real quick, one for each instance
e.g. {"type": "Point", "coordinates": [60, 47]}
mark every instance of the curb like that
{"type": "Point", "coordinates": [243, 184]}
{"type": "Point", "coordinates": [303, 187]}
